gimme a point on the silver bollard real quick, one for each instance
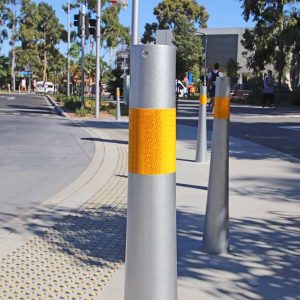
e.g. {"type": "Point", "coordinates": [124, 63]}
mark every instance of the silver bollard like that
{"type": "Point", "coordinates": [118, 108]}
{"type": "Point", "coordinates": [151, 258]}
{"type": "Point", "coordinates": [201, 148]}
{"type": "Point", "coordinates": [216, 226]}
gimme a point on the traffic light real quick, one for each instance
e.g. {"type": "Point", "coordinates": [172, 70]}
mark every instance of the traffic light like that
{"type": "Point", "coordinates": [78, 21]}
{"type": "Point", "coordinates": [90, 26]}
{"type": "Point", "coordinates": [93, 26]}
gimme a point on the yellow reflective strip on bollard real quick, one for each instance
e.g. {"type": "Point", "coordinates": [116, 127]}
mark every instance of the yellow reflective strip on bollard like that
{"type": "Point", "coordinates": [222, 108]}
{"type": "Point", "coordinates": [203, 99]}
{"type": "Point", "coordinates": [152, 141]}
{"type": "Point", "coordinates": [118, 93]}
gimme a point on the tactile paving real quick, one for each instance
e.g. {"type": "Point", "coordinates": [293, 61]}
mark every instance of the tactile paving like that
{"type": "Point", "coordinates": [75, 258]}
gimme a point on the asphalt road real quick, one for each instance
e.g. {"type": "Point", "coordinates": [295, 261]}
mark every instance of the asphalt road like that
{"type": "Point", "coordinates": [40, 153]}
{"type": "Point", "coordinates": [278, 129]}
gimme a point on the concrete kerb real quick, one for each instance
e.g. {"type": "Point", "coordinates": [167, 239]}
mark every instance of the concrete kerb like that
{"type": "Point", "coordinates": [57, 108]}
{"type": "Point", "coordinates": [98, 172]}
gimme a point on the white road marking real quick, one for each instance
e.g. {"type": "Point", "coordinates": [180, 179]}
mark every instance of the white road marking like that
{"type": "Point", "coordinates": [296, 128]}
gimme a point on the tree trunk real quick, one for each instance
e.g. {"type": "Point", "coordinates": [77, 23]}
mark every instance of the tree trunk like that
{"type": "Point", "coordinates": [45, 67]}
{"type": "Point", "coordinates": [13, 56]}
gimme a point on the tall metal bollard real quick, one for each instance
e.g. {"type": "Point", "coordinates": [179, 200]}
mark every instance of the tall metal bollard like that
{"type": "Point", "coordinates": [216, 227]}
{"type": "Point", "coordinates": [118, 108]}
{"type": "Point", "coordinates": [201, 148]}
{"type": "Point", "coordinates": [151, 259]}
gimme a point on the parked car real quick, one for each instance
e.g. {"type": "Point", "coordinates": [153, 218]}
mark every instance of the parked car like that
{"type": "Point", "coordinates": [45, 87]}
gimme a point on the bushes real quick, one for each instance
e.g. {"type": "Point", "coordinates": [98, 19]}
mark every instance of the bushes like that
{"type": "Point", "coordinates": [72, 103]}
{"type": "Point", "coordinates": [295, 97]}
{"type": "Point", "coordinates": [82, 112]}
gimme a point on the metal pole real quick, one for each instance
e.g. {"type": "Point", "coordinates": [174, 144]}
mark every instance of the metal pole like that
{"type": "Point", "coordinates": [205, 62]}
{"type": "Point", "coordinates": [216, 226]}
{"type": "Point", "coordinates": [135, 23]}
{"type": "Point", "coordinates": [151, 259]}
{"type": "Point", "coordinates": [69, 41]}
{"type": "Point", "coordinates": [201, 148]}
{"type": "Point", "coordinates": [98, 46]}
{"type": "Point", "coordinates": [82, 54]}
{"type": "Point", "coordinates": [118, 108]}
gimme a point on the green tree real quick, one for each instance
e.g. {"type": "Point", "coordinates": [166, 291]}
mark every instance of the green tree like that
{"type": "Point", "coordinates": [232, 70]}
{"type": "Point", "coordinates": [9, 20]}
{"type": "Point", "coordinates": [4, 70]}
{"type": "Point", "coordinates": [183, 17]}
{"type": "Point", "coordinates": [271, 40]}
{"type": "Point", "coordinates": [40, 31]}
{"type": "Point", "coordinates": [113, 32]}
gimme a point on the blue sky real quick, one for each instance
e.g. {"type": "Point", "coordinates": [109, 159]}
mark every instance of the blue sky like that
{"type": "Point", "coordinates": [222, 13]}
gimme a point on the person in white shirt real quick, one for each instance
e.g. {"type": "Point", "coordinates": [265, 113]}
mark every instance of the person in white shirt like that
{"type": "Point", "coordinates": [23, 85]}
{"type": "Point", "coordinates": [212, 77]}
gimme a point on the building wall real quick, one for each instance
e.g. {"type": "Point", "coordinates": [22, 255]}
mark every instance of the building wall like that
{"type": "Point", "coordinates": [223, 44]}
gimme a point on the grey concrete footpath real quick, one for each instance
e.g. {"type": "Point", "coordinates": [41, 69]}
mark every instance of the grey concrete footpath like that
{"type": "Point", "coordinates": [264, 262]}
{"type": "Point", "coordinates": [73, 246]}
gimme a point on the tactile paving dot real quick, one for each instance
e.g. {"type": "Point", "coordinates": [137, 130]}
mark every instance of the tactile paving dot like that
{"type": "Point", "coordinates": [76, 257]}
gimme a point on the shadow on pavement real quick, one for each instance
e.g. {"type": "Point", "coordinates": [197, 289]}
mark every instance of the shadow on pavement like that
{"type": "Point", "coordinates": [88, 235]}
{"type": "Point", "coordinates": [105, 140]}
{"type": "Point", "coordinates": [264, 263]}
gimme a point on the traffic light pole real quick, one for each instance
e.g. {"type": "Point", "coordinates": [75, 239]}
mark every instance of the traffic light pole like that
{"type": "Point", "coordinates": [69, 41]}
{"type": "Point", "coordinates": [82, 54]}
{"type": "Point", "coordinates": [98, 45]}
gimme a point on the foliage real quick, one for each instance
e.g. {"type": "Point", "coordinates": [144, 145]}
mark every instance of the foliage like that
{"type": "Point", "coordinates": [183, 17]}
{"type": "Point", "coordinates": [40, 31]}
{"type": "Point", "coordinates": [4, 70]}
{"type": "Point", "coordinates": [82, 112]}
{"type": "Point", "coordinates": [113, 32]}
{"type": "Point", "coordinates": [72, 103]}
{"type": "Point", "coordinates": [295, 97]}
{"type": "Point", "coordinates": [273, 36]}
{"type": "Point", "coordinates": [232, 68]}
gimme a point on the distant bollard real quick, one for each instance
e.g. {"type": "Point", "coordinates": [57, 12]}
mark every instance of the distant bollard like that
{"type": "Point", "coordinates": [216, 227]}
{"type": "Point", "coordinates": [151, 256]}
{"type": "Point", "coordinates": [118, 108]}
{"type": "Point", "coordinates": [201, 148]}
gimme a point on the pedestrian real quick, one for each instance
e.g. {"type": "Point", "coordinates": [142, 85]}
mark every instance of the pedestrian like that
{"type": "Point", "coordinates": [8, 87]}
{"type": "Point", "coordinates": [34, 85]}
{"type": "Point", "coordinates": [23, 85]}
{"type": "Point", "coordinates": [268, 92]}
{"type": "Point", "coordinates": [212, 77]}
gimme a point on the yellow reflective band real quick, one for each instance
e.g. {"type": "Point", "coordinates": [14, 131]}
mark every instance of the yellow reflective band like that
{"type": "Point", "coordinates": [203, 99]}
{"type": "Point", "coordinates": [152, 141]}
{"type": "Point", "coordinates": [118, 93]}
{"type": "Point", "coordinates": [222, 108]}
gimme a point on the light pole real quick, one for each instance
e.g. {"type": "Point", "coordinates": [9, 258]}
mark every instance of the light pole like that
{"type": "Point", "coordinates": [69, 41]}
{"type": "Point", "coordinates": [98, 48]}
{"type": "Point", "coordinates": [83, 12]}
{"type": "Point", "coordinates": [98, 45]}
{"type": "Point", "coordinates": [135, 23]}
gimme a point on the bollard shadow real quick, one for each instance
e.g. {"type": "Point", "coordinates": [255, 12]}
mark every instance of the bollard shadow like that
{"type": "Point", "coordinates": [105, 140]}
{"type": "Point", "coordinates": [263, 263]}
{"type": "Point", "coordinates": [191, 186]}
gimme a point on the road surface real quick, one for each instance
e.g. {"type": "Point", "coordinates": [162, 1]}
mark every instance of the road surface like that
{"type": "Point", "coordinates": [40, 153]}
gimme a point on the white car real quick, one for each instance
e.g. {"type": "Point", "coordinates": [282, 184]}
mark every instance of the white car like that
{"type": "Point", "coordinates": [45, 87]}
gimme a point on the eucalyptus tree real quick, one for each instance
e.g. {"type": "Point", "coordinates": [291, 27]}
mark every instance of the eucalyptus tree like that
{"type": "Point", "coordinates": [9, 19]}
{"type": "Point", "coordinates": [273, 37]}
{"type": "Point", "coordinates": [41, 31]}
